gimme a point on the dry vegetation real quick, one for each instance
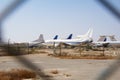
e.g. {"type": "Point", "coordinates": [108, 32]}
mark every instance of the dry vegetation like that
{"type": "Point", "coordinates": [70, 53]}
{"type": "Point", "coordinates": [87, 52]}
{"type": "Point", "coordinates": [85, 57]}
{"type": "Point", "coordinates": [17, 74]}
{"type": "Point", "coordinates": [54, 71]}
{"type": "Point", "coordinates": [67, 75]}
{"type": "Point", "coordinates": [15, 51]}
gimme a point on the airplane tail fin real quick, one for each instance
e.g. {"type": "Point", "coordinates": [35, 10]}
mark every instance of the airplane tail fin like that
{"type": "Point", "coordinates": [70, 36]}
{"type": "Point", "coordinates": [56, 37]}
{"type": "Point", "coordinates": [89, 33]}
{"type": "Point", "coordinates": [40, 39]}
{"type": "Point", "coordinates": [105, 39]}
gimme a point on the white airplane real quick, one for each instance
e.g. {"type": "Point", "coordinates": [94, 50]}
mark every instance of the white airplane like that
{"type": "Point", "coordinates": [106, 43]}
{"type": "Point", "coordinates": [101, 42]}
{"type": "Point", "coordinates": [37, 42]}
{"type": "Point", "coordinates": [113, 43]}
{"type": "Point", "coordinates": [41, 41]}
{"type": "Point", "coordinates": [87, 38]}
{"type": "Point", "coordinates": [51, 42]}
{"type": "Point", "coordinates": [88, 34]}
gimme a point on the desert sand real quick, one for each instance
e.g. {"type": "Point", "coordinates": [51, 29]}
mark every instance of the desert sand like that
{"type": "Point", "coordinates": [66, 69]}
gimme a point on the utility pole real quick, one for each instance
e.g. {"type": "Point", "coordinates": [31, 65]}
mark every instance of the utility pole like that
{"type": "Point", "coordinates": [54, 49]}
{"type": "Point", "coordinates": [60, 49]}
{"type": "Point", "coordinates": [80, 48]}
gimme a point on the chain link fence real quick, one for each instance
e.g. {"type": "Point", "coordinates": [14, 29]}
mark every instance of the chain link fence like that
{"type": "Point", "coordinates": [12, 51]}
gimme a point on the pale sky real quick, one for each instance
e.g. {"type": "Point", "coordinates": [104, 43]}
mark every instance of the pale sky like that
{"type": "Point", "coordinates": [61, 17]}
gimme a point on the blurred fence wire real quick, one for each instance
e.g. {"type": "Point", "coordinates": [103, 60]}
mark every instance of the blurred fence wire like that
{"type": "Point", "coordinates": [6, 12]}
{"type": "Point", "coordinates": [16, 3]}
{"type": "Point", "coordinates": [110, 7]}
{"type": "Point", "coordinates": [116, 65]}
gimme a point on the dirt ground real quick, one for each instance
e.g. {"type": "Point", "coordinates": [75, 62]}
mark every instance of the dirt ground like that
{"type": "Point", "coordinates": [61, 69]}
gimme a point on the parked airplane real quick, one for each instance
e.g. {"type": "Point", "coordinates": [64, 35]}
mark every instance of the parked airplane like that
{"type": "Point", "coordinates": [89, 33]}
{"type": "Point", "coordinates": [87, 38]}
{"type": "Point", "coordinates": [41, 41]}
{"type": "Point", "coordinates": [101, 42]}
{"type": "Point", "coordinates": [38, 41]}
{"type": "Point", "coordinates": [113, 43]}
{"type": "Point", "coordinates": [105, 43]}
{"type": "Point", "coordinates": [51, 42]}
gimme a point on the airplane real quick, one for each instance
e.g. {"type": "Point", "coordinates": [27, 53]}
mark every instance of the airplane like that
{"type": "Point", "coordinates": [38, 41]}
{"type": "Point", "coordinates": [113, 43]}
{"type": "Point", "coordinates": [51, 42]}
{"type": "Point", "coordinates": [89, 33]}
{"type": "Point", "coordinates": [41, 41]}
{"type": "Point", "coordinates": [86, 38]}
{"type": "Point", "coordinates": [101, 42]}
{"type": "Point", "coordinates": [104, 43]}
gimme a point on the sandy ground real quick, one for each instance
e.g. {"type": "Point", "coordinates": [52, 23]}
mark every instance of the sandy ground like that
{"type": "Point", "coordinates": [68, 69]}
